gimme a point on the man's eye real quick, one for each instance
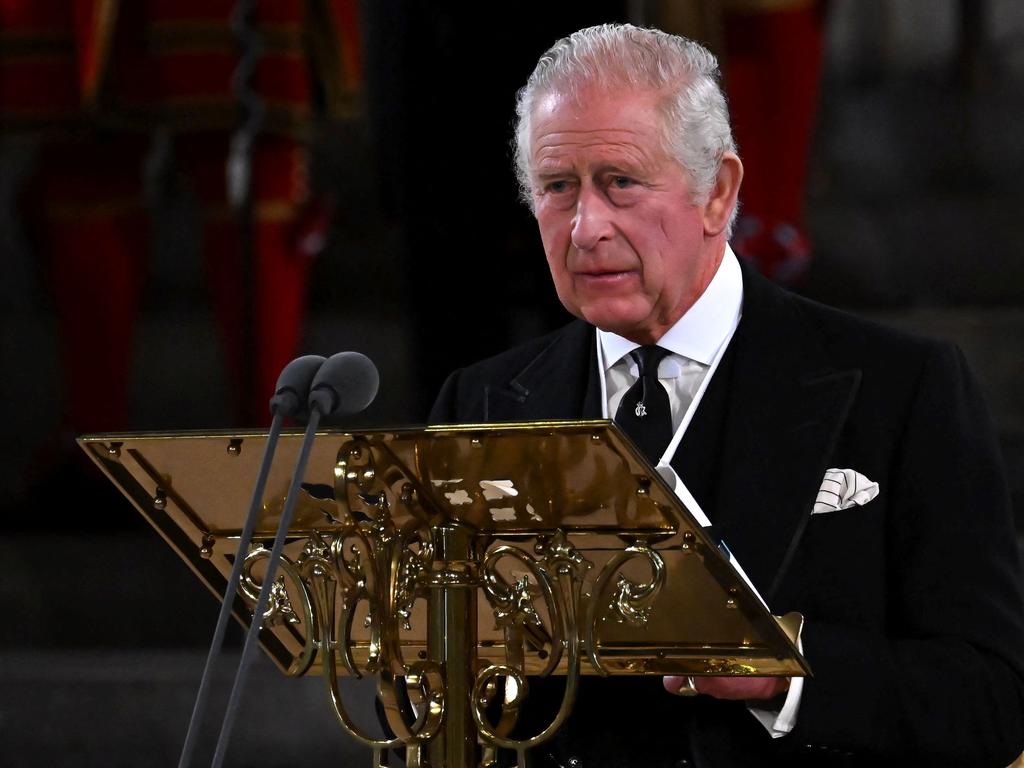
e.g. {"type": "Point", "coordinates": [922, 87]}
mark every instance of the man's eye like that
{"type": "Point", "coordinates": [622, 182]}
{"type": "Point", "coordinates": [557, 186]}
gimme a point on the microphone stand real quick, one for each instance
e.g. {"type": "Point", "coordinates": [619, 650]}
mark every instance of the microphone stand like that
{"type": "Point", "coordinates": [268, 581]}
{"type": "Point", "coordinates": [232, 589]}
{"type": "Point", "coordinates": [347, 382]}
{"type": "Point", "coordinates": [289, 398]}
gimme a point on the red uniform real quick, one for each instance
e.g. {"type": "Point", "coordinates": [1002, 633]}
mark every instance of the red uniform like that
{"type": "Point", "coordinates": [96, 77]}
{"type": "Point", "coordinates": [773, 51]}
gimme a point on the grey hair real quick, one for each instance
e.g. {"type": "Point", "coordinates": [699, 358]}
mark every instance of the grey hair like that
{"type": "Point", "coordinates": [695, 122]}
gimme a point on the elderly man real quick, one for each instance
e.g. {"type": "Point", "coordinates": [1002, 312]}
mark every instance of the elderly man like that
{"type": "Point", "coordinates": [911, 587]}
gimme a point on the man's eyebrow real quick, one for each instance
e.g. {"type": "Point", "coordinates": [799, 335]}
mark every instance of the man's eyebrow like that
{"type": "Point", "coordinates": [620, 169]}
{"type": "Point", "coordinates": [553, 172]}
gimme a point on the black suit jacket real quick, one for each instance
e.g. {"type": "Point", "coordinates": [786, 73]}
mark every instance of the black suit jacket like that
{"type": "Point", "coordinates": [913, 606]}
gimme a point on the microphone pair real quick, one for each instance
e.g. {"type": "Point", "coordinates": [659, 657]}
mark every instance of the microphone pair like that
{"type": "Point", "coordinates": [343, 384]}
{"type": "Point", "coordinates": [309, 388]}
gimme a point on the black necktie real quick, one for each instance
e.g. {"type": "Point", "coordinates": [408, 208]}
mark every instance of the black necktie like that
{"type": "Point", "coordinates": [644, 412]}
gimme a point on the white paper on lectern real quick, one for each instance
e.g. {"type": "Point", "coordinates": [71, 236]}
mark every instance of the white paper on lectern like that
{"type": "Point", "coordinates": [669, 475]}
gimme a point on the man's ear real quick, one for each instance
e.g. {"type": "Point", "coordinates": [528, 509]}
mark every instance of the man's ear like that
{"type": "Point", "coordinates": [723, 195]}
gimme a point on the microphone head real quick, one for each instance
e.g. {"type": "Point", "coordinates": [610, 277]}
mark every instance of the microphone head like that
{"type": "Point", "coordinates": [346, 384]}
{"type": "Point", "coordinates": [292, 390]}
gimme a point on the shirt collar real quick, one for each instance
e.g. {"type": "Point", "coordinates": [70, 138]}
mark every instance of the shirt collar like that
{"type": "Point", "coordinates": [699, 333]}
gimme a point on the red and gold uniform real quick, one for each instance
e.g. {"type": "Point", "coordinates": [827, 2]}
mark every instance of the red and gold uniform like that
{"type": "Point", "coordinates": [95, 78]}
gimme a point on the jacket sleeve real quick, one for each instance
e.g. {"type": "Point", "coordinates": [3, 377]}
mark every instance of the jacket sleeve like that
{"type": "Point", "coordinates": [462, 400]}
{"type": "Point", "coordinates": [944, 679]}
{"type": "Point", "coordinates": [445, 408]}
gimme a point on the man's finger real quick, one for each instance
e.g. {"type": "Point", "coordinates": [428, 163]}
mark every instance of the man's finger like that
{"type": "Point", "coordinates": [733, 688]}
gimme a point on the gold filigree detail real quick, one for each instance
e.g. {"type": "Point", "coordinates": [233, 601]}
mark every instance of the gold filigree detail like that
{"type": "Point", "coordinates": [515, 606]}
{"type": "Point", "coordinates": [558, 571]}
{"type": "Point", "coordinates": [373, 562]}
{"type": "Point", "coordinates": [279, 606]}
{"type": "Point", "coordinates": [728, 667]}
{"type": "Point", "coordinates": [519, 609]}
{"type": "Point", "coordinates": [560, 555]}
{"type": "Point", "coordinates": [280, 609]}
{"type": "Point", "coordinates": [630, 601]}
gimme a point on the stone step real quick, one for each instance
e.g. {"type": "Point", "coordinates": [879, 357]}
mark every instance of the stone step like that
{"type": "Point", "coordinates": [108, 709]}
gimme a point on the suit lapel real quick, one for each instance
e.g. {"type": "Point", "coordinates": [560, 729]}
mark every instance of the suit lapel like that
{"type": "Point", "coordinates": [561, 382]}
{"type": "Point", "coordinates": [786, 408]}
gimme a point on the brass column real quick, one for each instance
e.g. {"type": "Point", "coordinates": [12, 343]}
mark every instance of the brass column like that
{"type": "Point", "coordinates": [451, 641]}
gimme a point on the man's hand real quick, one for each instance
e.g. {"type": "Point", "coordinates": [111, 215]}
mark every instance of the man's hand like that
{"type": "Point", "coordinates": [741, 688]}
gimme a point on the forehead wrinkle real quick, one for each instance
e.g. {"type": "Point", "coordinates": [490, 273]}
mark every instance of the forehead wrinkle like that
{"type": "Point", "coordinates": [610, 155]}
{"type": "Point", "coordinates": [600, 137]}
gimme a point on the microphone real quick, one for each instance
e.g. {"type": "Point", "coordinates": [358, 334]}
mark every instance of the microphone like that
{"type": "Point", "coordinates": [344, 385]}
{"type": "Point", "coordinates": [293, 385]}
{"type": "Point", "coordinates": [290, 397]}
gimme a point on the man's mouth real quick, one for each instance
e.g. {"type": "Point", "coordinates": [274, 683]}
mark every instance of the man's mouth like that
{"type": "Point", "coordinates": [606, 277]}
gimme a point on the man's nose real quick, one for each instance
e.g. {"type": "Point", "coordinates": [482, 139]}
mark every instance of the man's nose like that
{"type": "Point", "coordinates": [592, 222]}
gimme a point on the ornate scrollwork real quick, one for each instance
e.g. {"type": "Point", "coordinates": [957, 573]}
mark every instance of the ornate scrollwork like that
{"type": "Point", "coordinates": [369, 561]}
{"type": "Point", "coordinates": [514, 604]}
{"type": "Point", "coordinates": [556, 576]}
{"type": "Point", "coordinates": [519, 608]}
{"type": "Point", "coordinates": [280, 609]}
{"type": "Point", "coordinates": [363, 564]}
{"type": "Point", "coordinates": [412, 565]}
{"type": "Point", "coordinates": [374, 565]}
{"type": "Point", "coordinates": [560, 556]}
{"type": "Point", "coordinates": [628, 601]}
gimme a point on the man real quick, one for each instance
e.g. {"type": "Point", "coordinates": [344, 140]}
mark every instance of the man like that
{"type": "Point", "coordinates": [912, 598]}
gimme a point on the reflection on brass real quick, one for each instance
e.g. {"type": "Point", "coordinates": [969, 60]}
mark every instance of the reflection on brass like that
{"type": "Point", "coordinates": [728, 667]}
{"type": "Point", "coordinates": [206, 548]}
{"type": "Point", "coordinates": [643, 485]}
{"type": "Point", "coordinates": [792, 624]}
{"type": "Point", "coordinates": [280, 610]}
{"type": "Point", "coordinates": [552, 547]}
{"type": "Point", "coordinates": [562, 567]}
{"type": "Point", "coordinates": [516, 610]}
{"type": "Point", "coordinates": [631, 601]}
{"type": "Point", "coordinates": [279, 607]}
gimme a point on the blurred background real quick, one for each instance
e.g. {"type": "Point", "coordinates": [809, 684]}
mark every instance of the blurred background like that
{"type": "Point", "coordinates": [193, 193]}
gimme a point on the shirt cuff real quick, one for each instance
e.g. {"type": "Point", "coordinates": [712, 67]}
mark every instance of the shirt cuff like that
{"type": "Point", "coordinates": [776, 723]}
{"type": "Point", "coordinates": [782, 722]}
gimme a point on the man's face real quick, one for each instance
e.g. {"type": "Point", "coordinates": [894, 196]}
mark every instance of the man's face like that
{"type": "Point", "coordinates": [625, 244]}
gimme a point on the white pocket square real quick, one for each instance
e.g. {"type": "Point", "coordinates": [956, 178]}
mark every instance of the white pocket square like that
{"type": "Point", "coordinates": [842, 489]}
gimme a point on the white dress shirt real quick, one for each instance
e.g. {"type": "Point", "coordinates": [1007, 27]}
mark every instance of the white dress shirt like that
{"type": "Point", "coordinates": [696, 344]}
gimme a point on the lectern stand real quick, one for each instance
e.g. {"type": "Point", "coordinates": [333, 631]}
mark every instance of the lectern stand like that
{"type": "Point", "coordinates": [452, 563]}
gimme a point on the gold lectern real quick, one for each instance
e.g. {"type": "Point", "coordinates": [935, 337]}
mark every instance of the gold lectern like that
{"type": "Point", "coordinates": [449, 560]}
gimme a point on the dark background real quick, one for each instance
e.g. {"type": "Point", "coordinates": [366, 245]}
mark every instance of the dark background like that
{"type": "Point", "coordinates": [914, 206]}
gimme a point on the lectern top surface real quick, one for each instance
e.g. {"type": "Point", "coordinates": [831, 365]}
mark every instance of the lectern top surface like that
{"type": "Point", "coordinates": [503, 478]}
{"type": "Point", "coordinates": [657, 594]}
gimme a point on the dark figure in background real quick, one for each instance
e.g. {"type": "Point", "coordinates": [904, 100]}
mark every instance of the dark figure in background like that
{"type": "Point", "coordinates": [772, 53]}
{"type": "Point", "coordinates": [773, 65]}
{"type": "Point", "coordinates": [95, 79]}
{"type": "Point", "coordinates": [908, 575]}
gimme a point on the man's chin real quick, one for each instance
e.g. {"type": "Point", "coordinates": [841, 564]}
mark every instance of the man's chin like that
{"type": "Point", "coordinates": [628, 326]}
